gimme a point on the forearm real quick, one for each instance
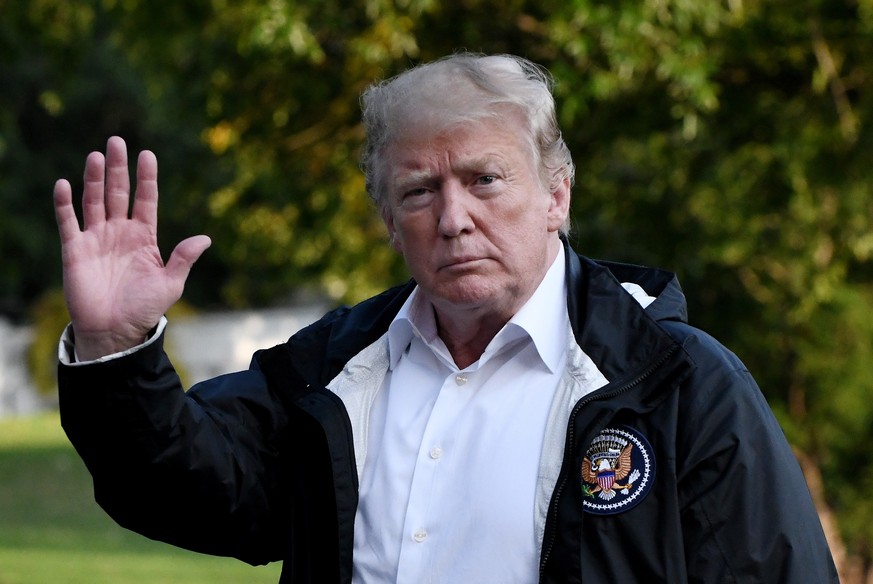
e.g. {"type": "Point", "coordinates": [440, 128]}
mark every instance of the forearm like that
{"type": "Point", "coordinates": [170, 465]}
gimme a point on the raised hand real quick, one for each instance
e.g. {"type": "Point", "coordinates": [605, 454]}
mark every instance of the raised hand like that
{"type": "Point", "coordinates": [116, 285]}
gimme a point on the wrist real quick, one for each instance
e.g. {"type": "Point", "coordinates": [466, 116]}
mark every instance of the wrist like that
{"type": "Point", "coordinates": [94, 346]}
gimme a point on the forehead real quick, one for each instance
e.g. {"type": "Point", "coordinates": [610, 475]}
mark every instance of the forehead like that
{"type": "Point", "coordinates": [468, 144]}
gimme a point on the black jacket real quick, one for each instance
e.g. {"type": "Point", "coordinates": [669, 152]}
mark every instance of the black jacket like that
{"type": "Point", "coordinates": [260, 465]}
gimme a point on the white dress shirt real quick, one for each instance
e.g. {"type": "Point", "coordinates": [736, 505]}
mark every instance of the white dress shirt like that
{"type": "Point", "coordinates": [448, 490]}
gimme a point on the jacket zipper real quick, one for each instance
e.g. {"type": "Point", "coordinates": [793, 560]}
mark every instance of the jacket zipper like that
{"type": "Point", "coordinates": [571, 432]}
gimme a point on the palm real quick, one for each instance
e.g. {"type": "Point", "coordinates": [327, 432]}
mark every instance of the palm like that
{"type": "Point", "coordinates": [113, 274]}
{"type": "Point", "coordinates": [115, 282]}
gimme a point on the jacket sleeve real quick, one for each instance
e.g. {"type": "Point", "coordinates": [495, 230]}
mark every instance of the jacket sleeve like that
{"type": "Point", "coordinates": [198, 469]}
{"type": "Point", "coordinates": [747, 514]}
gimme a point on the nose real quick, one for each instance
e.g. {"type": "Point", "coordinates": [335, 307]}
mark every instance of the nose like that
{"type": "Point", "coordinates": [455, 217]}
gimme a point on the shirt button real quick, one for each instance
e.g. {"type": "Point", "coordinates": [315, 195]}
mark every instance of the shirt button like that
{"type": "Point", "coordinates": [436, 452]}
{"type": "Point", "coordinates": [419, 536]}
{"type": "Point", "coordinates": [460, 378]}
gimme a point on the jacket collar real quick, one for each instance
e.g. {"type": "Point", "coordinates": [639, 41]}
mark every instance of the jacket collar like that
{"type": "Point", "coordinates": [608, 324]}
{"type": "Point", "coordinates": [620, 336]}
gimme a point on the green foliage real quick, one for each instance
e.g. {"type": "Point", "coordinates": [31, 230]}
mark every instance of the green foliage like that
{"type": "Point", "coordinates": [729, 141]}
{"type": "Point", "coordinates": [49, 316]}
{"type": "Point", "coordinates": [833, 370]}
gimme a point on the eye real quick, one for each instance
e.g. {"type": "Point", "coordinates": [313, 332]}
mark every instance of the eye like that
{"type": "Point", "coordinates": [417, 192]}
{"type": "Point", "coordinates": [416, 197]}
{"type": "Point", "coordinates": [486, 179]}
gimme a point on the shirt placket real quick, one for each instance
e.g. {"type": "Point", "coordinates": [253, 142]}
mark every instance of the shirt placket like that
{"type": "Point", "coordinates": [426, 504]}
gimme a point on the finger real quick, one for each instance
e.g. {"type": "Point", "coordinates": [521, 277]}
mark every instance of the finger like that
{"type": "Point", "coordinates": [93, 207]}
{"type": "Point", "coordinates": [145, 203]}
{"type": "Point", "coordinates": [65, 214]}
{"type": "Point", "coordinates": [183, 257]}
{"type": "Point", "coordinates": [117, 179]}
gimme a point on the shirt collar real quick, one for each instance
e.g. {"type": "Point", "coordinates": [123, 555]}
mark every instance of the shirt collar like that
{"type": "Point", "coordinates": [543, 319]}
{"type": "Point", "coordinates": [416, 318]}
{"type": "Point", "coordinates": [544, 316]}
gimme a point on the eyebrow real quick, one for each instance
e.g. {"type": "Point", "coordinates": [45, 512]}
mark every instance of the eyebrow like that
{"type": "Point", "coordinates": [402, 178]}
{"type": "Point", "coordinates": [488, 162]}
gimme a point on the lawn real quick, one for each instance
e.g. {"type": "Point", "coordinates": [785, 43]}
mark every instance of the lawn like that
{"type": "Point", "coordinates": [51, 530]}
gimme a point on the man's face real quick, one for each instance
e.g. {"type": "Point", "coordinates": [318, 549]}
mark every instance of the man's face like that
{"type": "Point", "coordinates": [469, 213]}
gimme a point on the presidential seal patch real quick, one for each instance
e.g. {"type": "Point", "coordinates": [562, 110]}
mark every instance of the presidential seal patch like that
{"type": "Point", "coordinates": [617, 472]}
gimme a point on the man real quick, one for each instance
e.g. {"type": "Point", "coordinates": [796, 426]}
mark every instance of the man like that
{"type": "Point", "coordinates": [516, 413]}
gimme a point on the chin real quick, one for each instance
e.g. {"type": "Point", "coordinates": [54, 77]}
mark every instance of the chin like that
{"type": "Point", "coordinates": [470, 295]}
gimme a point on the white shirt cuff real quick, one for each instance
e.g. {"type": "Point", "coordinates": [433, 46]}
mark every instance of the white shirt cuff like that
{"type": "Point", "coordinates": [67, 348]}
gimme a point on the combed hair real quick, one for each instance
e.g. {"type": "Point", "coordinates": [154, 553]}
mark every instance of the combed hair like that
{"type": "Point", "coordinates": [461, 88]}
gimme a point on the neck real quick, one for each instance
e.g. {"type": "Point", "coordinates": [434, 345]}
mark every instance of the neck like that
{"type": "Point", "coordinates": [466, 338]}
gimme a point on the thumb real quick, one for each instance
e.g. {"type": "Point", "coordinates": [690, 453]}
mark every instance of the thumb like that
{"type": "Point", "coordinates": [183, 257]}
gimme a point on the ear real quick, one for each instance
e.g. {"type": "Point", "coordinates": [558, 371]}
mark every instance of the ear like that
{"type": "Point", "coordinates": [559, 205]}
{"type": "Point", "coordinates": [388, 219]}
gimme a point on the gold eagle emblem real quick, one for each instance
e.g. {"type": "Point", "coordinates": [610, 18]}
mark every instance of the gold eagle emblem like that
{"type": "Point", "coordinates": [606, 471]}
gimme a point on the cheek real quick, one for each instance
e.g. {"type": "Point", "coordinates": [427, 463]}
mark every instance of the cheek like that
{"type": "Point", "coordinates": [409, 236]}
{"type": "Point", "coordinates": [522, 222]}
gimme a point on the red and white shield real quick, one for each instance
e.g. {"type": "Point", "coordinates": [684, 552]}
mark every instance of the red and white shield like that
{"type": "Point", "coordinates": [606, 479]}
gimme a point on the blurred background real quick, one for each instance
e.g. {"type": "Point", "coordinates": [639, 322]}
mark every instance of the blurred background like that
{"type": "Point", "coordinates": [729, 141]}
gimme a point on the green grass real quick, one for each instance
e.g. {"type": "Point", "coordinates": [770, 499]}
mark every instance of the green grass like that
{"type": "Point", "coordinates": [51, 530]}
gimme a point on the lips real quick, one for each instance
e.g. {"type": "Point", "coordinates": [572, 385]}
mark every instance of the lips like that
{"type": "Point", "coordinates": [460, 262]}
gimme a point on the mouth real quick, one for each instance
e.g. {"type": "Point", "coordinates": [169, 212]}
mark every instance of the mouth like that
{"type": "Point", "coordinates": [461, 262]}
